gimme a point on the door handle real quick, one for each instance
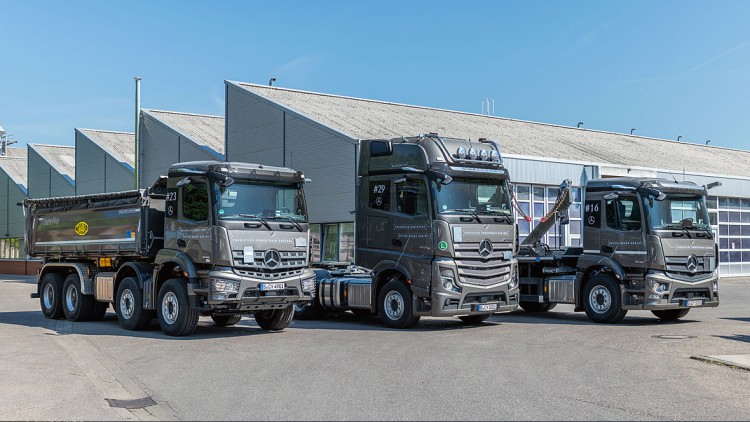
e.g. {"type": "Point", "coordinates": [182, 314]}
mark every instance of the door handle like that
{"type": "Point", "coordinates": [181, 243]}
{"type": "Point", "coordinates": [607, 249]}
{"type": "Point", "coordinates": [396, 242]}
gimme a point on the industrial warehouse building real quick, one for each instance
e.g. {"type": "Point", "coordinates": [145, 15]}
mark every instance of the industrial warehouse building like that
{"type": "Point", "coordinates": [13, 190]}
{"type": "Point", "coordinates": [51, 171]}
{"type": "Point", "coordinates": [105, 161]}
{"type": "Point", "coordinates": [319, 133]}
{"type": "Point", "coordinates": [168, 137]}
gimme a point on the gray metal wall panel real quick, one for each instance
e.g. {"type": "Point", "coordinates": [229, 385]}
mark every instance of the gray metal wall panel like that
{"type": "Point", "coordinates": [159, 150]}
{"type": "Point", "coordinates": [38, 183]}
{"type": "Point", "coordinates": [254, 130]}
{"type": "Point", "coordinates": [89, 166]}
{"type": "Point", "coordinates": [118, 177]}
{"type": "Point", "coordinates": [60, 185]}
{"type": "Point", "coordinates": [543, 172]}
{"type": "Point", "coordinates": [11, 215]}
{"type": "Point", "coordinates": [190, 151]}
{"type": "Point", "coordinates": [732, 187]}
{"type": "Point", "coordinates": [330, 162]}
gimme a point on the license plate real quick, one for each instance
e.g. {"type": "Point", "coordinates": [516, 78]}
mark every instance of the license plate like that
{"type": "Point", "coordinates": [694, 302]}
{"type": "Point", "coordinates": [485, 308]}
{"type": "Point", "coordinates": [272, 286]}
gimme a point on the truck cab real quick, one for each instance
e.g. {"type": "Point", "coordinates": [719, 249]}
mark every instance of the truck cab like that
{"type": "Point", "coordinates": [647, 244]}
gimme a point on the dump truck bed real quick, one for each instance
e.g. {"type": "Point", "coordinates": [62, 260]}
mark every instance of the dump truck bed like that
{"type": "Point", "coordinates": [120, 223]}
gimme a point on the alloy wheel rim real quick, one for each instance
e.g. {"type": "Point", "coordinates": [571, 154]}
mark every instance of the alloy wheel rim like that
{"type": "Point", "coordinates": [71, 297]}
{"type": "Point", "coordinates": [127, 304]}
{"type": "Point", "coordinates": [394, 305]}
{"type": "Point", "coordinates": [170, 308]}
{"type": "Point", "coordinates": [600, 299]}
{"type": "Point", "coordinates": [49, 296]}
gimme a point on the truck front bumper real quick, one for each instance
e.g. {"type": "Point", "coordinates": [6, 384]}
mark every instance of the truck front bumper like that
{"type": "Point", "coordinates": [679, 294]}
{"type": "Point", "coordinates": [232, 292]}
{"type": "Point", "coordinates": [474, 300]}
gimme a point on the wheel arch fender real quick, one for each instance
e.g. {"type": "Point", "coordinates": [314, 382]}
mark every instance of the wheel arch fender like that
{"type": "Point", "coordinates": [383, 272]}
{"type": "Point", "coordinates": [592, 265]}
{"type": "Point", "coordinates": [165, 262]}
{"type": "Point", "coordinates": [85, 273]}
{"type": "Point", "coordinates": [143, 273]}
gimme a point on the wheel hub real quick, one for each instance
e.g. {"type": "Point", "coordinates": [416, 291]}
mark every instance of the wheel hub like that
{"type": "Point", "coordinates": [170, 308]}
{"type": "Point", "coordinates": [394, 305]}
{"type": "Point", "coordinates": [600, 299]}
{"type": "Point", "coordinates": [49, 296]}
{"type": "Point", "coordinates": [71, 298]}
{"type": "Point", "coordinates": [127, 304]}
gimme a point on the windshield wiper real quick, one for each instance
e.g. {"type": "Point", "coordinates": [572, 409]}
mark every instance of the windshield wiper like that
{"type": "Point", "coordinates": [469, 210]}
{"type": "Point", "coordinates": [678, 227]}
{"type": "Point", "coordinates": [507, 218]}
{"type": "Point", "coordinates": [291, 220]}
{"type": "Point", "coordinates": [259, 218]}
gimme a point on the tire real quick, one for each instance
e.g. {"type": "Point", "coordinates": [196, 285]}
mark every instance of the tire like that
{"type": "Point", "coordinates": [226, 320]}
{"type": "Point", "coordinates": [671, 314]}
{"type": "Point", "coordinates": [396, 305]}
{"type": "Point", "coordinates": [76, 305]}
{"type": "Point", "coordinates": [50, 295]}
{"type": "Point", "coordinates": [100, 309]}
{"type": "Point", "coordinates": [129, 308]}
{"type": "Point", "coordinates": [275, 320]}
{"type": "Point", "coordinates": [602, 301]}
{"type": "Point", "coordinates": [474, 319]}
{"type": "Point", "coordinates": [308, 311]}
{"type": "Point", "coordinates": [173, 310]}
{"type": "Point", "coordinates": [362, 313]}
{"type": "Point", "coordinates": [536, 306]}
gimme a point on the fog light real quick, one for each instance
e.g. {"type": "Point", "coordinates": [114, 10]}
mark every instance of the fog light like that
{"type": "Point", "coordinates": [657, 287]}
{"type": "Point", "coordinates": [473, 153]}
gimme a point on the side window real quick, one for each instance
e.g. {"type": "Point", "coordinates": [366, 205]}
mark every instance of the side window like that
{"type": "Point", "coordinates": [623, 214]}
{"type": "Point", "coordinates": [195, 201]}
{"type": "Point", "coordinates": [380, 195]}
{"type": "Point", "coordinates": [411, 197]}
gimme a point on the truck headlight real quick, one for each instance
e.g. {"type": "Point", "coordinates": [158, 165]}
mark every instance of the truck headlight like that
{"type": "Point", "coordinates": [513, 281]}
{"type": "Point", "coordinates": [308, 285]}
{"type": "Point", "coordinates": [658, 287]}
{"type": "Point", "coordinates": [221, 288]}
{"type": "Point", "coordinates": [448, 280]}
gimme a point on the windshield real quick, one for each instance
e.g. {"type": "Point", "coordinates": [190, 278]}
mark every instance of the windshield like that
{"type": "Point", "coordinates": [257, 200]}
{"type": "Point", "coordinates": [677, 211]}
{"type": "Point", "coordinates": [481, 196]}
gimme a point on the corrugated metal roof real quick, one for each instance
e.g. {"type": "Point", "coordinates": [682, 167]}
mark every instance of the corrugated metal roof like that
{"type": "Point", "coordinates": [16, 168]}
{"type": "Point", "coordinates": [16, 152]}
{"type": "Point", "coordinates": [200, 128]}
{"type": "Point", "coordinates": [61, 158]}
{"type": "Point", "coordinates": [366, 119]}
{"type": "Point", "coordinates": [120, 145]}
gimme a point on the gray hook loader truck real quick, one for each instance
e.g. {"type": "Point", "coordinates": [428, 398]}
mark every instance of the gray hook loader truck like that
{"type": "Point", "coordinates": [435, 234]}
{"type": "Point", "coordinates": [210, 238]}
{"type": "Point", "coordinates": [647, 244]}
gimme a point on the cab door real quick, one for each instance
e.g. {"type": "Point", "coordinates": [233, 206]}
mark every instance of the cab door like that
{"type": "Point", "coordinates": [411, 230]}
{"type": "Point", "coordinates": [188, 218]}
{"type": "Point", "coordinates": [622, 235]}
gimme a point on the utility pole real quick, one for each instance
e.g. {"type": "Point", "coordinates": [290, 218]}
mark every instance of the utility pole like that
{"type": "Point", "coordinates": [136, 174]}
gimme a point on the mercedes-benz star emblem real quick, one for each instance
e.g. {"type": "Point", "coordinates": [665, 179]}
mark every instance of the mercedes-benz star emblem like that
{"type": "Point", "coordinates": [485, 248]}
{"type": "Point", "coordinates": [692, 263]}
{"type": "Point", "coordinates": [272, 258]}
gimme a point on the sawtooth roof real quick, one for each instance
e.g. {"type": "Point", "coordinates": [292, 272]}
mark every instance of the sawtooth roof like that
{"type": "Point", "coordinates": [120, 145]}
{"type": "Point", "coordinates": [16, 168]}
{"type": "Point", "coordinates": [16, 152]}
{"type": "Point", "coordinates": [367, 119]}
{"type": "Point", "coordinates": [61, 158]}
{"type": "Point", "coordinates": [202, 129]}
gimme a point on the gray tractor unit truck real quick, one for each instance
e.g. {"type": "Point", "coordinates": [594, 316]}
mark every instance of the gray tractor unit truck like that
{"type": "Point", "coordinates": [647, 244]}
{"type": "Point", "coordinates": [211, 238]}
{"type": "Point", "coordinates": [435, 234]}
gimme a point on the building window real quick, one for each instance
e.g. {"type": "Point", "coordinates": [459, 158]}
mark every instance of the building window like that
{"type": "Point", "coordinates": [730, 220]}
{"type": "Point", "coordinates": [346, 242]}
{"type": "Point", "coordinates": [330, 242]}
{"type": "Point", "coordinates": [536, 201]}
{"type": "Point", "coordinates": [336, 241]}
{"type": "Point", "coordinates": [314, 242]}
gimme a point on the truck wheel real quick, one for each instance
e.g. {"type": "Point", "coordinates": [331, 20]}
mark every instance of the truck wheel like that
{"type": "Point", "coordinates": [76, 305]}
{"type": "Point", "coordinates": [50, 298]}
{"type": "Point", "coordinates": [226, 320]}
{"type": "Point", "coordinates": [396, 306]}
{"type": "Point", "coordinates": [275, 320]}
{"type": "Point", "coordinates": [100, 309]}
{"type": "Point", "coordinates": [536, 306]}
{"type": "Point", "coordinates": [474, 319]}
{"type": "Point", "coordinates": [175, 315]}
{"type": "Point", "coordinates": [311, 310]}
{"type": "Point", "coordinates": [601, 300]}
{"type": "Point", "coordinates": [671, 314]}
{"type": "Point", "coordinates": [129, 307]}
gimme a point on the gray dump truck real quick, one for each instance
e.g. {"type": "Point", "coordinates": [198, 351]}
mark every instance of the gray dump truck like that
{"type": "Point", "coordinates": [210, 238]}
{"type": "Point", "coordinates": [647, 244]}
{"type": "Point", "coordinates": [435, 234]}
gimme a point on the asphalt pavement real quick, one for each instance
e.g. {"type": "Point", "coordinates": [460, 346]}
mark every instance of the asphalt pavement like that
{"type": "Point", "coordinates": [520, 366]}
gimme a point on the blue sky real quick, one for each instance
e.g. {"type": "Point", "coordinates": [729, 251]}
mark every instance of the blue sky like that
{"type": "Point", "coordinates": [666, 68]}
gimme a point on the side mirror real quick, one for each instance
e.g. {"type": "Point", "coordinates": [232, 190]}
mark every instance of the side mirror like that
{"type": "Point", "coordinates": [308, 180]}
{"type": "Point", "coordinates": [183, 182]}
{"type": "Point", "coordinates": [611, 196]}
{"type": "Point", "coordinates": [401, 179]}
{"type": "Point", "coordinates": [441, 177]}
{"type": "Point", "coordinates": [713, 185]}
{"type": "Point", "coordinates": [381, 148]}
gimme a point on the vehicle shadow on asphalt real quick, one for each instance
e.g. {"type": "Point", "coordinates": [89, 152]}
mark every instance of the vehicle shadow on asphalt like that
{"type": "Point", "coordinates": [350, 322]}
{"type": "Point", "coordinates": [740, 319]}
{"type": "Point", "coordinates": [737, 337]}
{"type": "Point", "coordinates": [109, 326]}
{"type": "Point", "coordinates": [578, 318]}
